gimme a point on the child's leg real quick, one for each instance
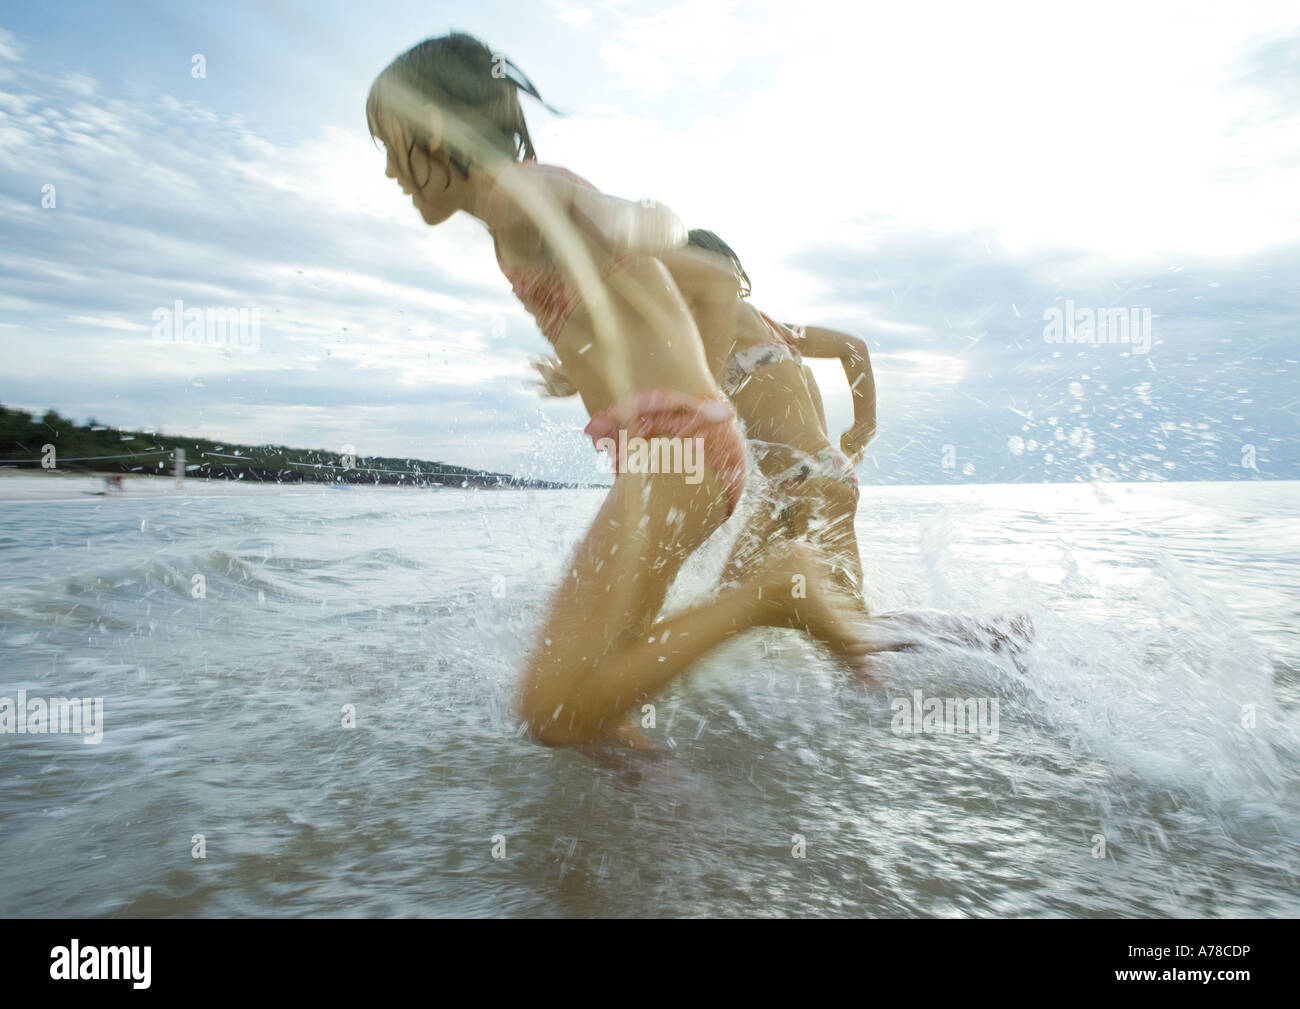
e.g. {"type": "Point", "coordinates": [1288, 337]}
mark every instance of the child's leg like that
{"type": "Point", "coordinates": [768, 524]}
{"type": "Point", "coordinates": [840, 538]}
{"type": "Point", "coordinates": [600, 655]}
{"type": "Point", "coordinates": [824, 511]}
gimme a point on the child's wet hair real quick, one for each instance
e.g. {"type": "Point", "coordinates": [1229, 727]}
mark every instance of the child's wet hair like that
{"type": "Point", "coordinates": [464, 79]}
{"type": "Point", "coordinates": [702, 239]}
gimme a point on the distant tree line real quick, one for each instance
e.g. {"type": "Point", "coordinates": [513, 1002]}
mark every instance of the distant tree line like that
{"type": "Point", "coordinates": [55, 442]}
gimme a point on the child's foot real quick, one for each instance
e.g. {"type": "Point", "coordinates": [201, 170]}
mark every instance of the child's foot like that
{"type": "Point", "coordinates": [1013, 642]}
{"type": "Point", "coordinates": [918, 629]}
{"type": "Point", "coordinates": [1014, 634]}
{"type": "Point", "coordinates": [630, 735]}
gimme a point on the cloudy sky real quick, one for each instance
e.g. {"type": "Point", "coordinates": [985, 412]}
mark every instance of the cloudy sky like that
{"type": "Point", "coordinates": [935, 178]}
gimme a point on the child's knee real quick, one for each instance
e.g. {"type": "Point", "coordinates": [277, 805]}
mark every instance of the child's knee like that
{"type": "Point", "coordinates": [545, 722]}
{"type": "Point", "coordinates": [552, 735]}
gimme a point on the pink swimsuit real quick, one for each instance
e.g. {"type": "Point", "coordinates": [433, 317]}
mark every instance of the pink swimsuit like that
{"type": "Point", "coordinates": [667, 413]}
{"type": "Point", "coordinates": [546, 293]}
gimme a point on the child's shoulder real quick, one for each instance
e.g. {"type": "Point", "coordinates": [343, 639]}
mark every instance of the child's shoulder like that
{"type": "Point", "coordinates": [557, 188]}
{"type": "Point", "coordinates": [557, 175]}
{"type": "Point", "coordinates": [619, 226]}
{"type": "Point", "coordinates": [549, 180]}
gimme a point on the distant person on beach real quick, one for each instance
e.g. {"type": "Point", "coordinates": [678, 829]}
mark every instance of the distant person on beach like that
{"type": "Point", "coordinates": [587, 267]}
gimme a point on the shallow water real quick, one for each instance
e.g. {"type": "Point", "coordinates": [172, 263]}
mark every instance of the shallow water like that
{"type": "Point", "coordinates": [1162, 611]}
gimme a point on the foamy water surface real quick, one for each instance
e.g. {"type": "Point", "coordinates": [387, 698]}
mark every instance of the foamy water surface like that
{"type": "Point", "coordinates": [1156, 721]}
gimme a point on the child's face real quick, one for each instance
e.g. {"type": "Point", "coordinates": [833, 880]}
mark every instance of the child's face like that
{"type": "Point", "coordinates": [432, 199]}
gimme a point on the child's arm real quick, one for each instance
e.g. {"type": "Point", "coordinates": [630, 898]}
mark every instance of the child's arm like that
{"type": "Point", "coordinates": [817, 341]}
{"type": "Point", "coordinates": [624, 227]}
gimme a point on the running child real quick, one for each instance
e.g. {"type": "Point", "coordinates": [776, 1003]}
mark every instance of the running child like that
{"type": "Point", "coordinates": [586, 266]}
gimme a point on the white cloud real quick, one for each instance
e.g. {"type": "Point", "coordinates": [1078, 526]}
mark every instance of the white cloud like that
{"type": "Point", "coordinates": [109, 322]}
{"type": "Point", "coordinates": [9, 48]}
{"type": "Point", "coordinates": [571, 14]}
{"type": "Point", "coordinates": [1112, 127]}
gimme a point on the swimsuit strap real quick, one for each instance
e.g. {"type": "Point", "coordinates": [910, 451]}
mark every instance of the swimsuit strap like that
{"type": "Point", "coordinates": [782, 333]}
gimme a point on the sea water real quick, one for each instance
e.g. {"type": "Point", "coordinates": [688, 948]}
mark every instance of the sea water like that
{"type": "Point", "coordinates": [307, 710]}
